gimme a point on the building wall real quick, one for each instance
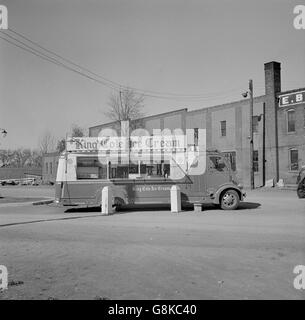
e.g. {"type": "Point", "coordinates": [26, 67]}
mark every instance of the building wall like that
{"type": "Point", "coordinates": [49, 167]}
{"type": "Point", "coordinates": [152, 124]}
{"type": "Point", "coordinates": [291, 140]}
{"type": "Point", "coordinates": [227, 142]}
{"type": "Point", "coordinates": [173, 122]}
{"type": "Point", "coordinates": [278, 142]}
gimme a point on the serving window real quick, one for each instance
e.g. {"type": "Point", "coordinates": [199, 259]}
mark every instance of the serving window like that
{"type": "Point", "coordinates": [92, 168]}
{"type": "Point", "coordinates": [141, 170]}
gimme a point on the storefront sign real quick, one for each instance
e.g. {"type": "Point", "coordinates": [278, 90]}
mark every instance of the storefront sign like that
{"type": "Point", "coordinates": [292, 99]}
{"type": "Point", "coordinates": [82, 144]}
{"type": "Point", "coordinates": [136, 143]}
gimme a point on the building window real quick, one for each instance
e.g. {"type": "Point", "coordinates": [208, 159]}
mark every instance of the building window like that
{"type": "Point", "coordinates": [51, 168]}
{"type": "Point", "coordinates": [304, 117]}
{"type": "Point", "coordinates": [290, 121]}
{"type": "Point", "coordinates": [255, 160]}
{"type": "Point", "coordinates": [294, 159]}
{"type": "Point", "coordinates": [223, 128]}
{"type": "Point", "coordinates": [255, 124]}
{"type": "Point", "coordinates": [47, 168]}
{"type": "Point", "coordinates": [231, 158]}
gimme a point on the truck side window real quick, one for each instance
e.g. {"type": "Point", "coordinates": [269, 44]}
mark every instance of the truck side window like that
{"type": "Point", "coordinates": [90, 168]}
{"type": "Point", "coordinates": [216, 163]}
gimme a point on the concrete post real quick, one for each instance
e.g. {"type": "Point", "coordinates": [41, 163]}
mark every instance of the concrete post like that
{"type": "Point", "coordinates": [175, 199]}
{"type": "Point", "coordinates": [107, 201]}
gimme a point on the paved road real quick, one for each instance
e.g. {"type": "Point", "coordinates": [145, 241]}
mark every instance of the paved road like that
{"type": "Point", "coordinates": [245, 254]}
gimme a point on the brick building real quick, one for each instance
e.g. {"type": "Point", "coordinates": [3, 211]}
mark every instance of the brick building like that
{"type": "Point", "coordinates": [278, 126]}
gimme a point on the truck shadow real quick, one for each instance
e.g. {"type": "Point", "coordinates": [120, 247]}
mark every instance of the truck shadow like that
{"type": "Point", "coordinates": [248, 205]}
{"type": "Point", "coordinates": [164, 207]}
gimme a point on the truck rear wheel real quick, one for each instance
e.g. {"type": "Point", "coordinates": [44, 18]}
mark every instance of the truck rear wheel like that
{"type": "Point", "coordinates": [229, 200]}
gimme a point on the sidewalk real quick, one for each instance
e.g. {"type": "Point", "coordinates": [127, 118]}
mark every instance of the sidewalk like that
{"type": "Point", "coordinates": [288, 187]}
{"type": "Point", "coordinates": [20, 201]}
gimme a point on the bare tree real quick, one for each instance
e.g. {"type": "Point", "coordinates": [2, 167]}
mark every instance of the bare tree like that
{"type": "Point", "coordinates": [5, 157]}
{"type": "Point", "coordinates": [36, 159]}
{"type": "Point", "coordinates": [125, 105]}
{"type": "Point", "coordinates": [20, 158]}
{"type": "Point", "coordinates": [46, 143]}
{"type": "Point", "coordinates": [61, 145]}
{"type": "Point", "coordinates": [77, 131]}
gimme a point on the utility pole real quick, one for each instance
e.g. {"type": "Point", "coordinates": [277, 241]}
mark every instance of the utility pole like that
{"type": "Point", "coordinates": [121, 100]}
{"type": "Point", "coordinates": [126, 132]}
{"type": "Point", "coordinates": [251, 135]}
{"type": "Point", "coordinates": [264, 144]}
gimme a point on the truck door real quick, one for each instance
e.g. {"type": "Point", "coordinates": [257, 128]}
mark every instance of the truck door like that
{"type": "Point", "coordinates": [217, 173]}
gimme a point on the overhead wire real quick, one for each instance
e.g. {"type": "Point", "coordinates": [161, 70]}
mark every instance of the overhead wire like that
{"type": "Point", "coordinates": [104, 81]}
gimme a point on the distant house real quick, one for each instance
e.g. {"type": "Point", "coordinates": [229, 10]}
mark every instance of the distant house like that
{"type": "Point", "coordinates": [49, 167]}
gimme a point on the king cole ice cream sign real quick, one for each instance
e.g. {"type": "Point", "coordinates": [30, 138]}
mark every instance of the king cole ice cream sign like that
{"type": "Point", "coordinates": [292, 99]}
{"type": "Point", "coordinates": [185, 152]}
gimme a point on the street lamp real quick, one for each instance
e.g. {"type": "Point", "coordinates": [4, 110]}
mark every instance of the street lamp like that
{"type": "Point", "coordinates": [4, 132]}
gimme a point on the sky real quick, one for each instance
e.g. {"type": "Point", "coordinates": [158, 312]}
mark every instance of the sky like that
{"type": "Point", "coordinates": [208, 48]}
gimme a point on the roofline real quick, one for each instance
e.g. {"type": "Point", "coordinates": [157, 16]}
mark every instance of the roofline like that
{"type": "Point", "coordinates": [227, 104]}
{"type": "Point", "coordinates": [290, 91]}
{"type": "Point", "coordinates": [144, 118]}
{"type": "Point", "coordinates": [240, 102]}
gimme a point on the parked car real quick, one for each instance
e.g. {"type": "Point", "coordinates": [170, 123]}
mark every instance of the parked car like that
{"type": "Point", "coordinates": [301, 183]}
{"type": "Point", "coordinates": [35, 183]}
{"type": "Point", "coordinates": [27, 182]}
{"type": "Point", "coordinates": [9, 182]}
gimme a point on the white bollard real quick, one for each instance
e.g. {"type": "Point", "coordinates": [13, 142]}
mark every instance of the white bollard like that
{"type": "Point", "coordinates": [175, 199]}
{"type": "Point", "coordinates": [107, 201]}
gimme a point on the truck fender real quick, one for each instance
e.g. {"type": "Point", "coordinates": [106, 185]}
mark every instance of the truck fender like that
{"type": "Point", "coordinates": [226, 187]}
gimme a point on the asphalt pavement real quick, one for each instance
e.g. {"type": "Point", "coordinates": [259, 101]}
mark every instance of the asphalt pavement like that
{"type": "Point", "coordinates": [68, 253]}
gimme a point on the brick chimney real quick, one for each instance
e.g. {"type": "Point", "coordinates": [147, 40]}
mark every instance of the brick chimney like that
{"type": "Point", "coordinates": [272, 88]}
{"type": "Point", "coordinates": [272, 77]}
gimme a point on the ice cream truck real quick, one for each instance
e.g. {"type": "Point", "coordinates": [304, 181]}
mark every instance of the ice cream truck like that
{"type": "Point", "coordinates": [145, 175]}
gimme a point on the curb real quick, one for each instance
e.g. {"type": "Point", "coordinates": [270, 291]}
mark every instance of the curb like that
{"type": "Point", "coordinates": [15, 204]}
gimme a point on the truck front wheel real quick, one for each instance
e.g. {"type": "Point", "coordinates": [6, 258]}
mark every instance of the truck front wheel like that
{"type": "Point", "coordinates": [229, 200]}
